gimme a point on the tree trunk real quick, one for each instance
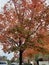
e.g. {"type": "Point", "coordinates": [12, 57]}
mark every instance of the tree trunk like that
{"type": "Point", "coordinates": [20, 57]}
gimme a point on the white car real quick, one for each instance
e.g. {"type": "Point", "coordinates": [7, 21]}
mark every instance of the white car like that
{"type": "Point", "coordinates": [3, 63]}
{"type": "Point", "coordinates": [43, 63]}
{"type": "Point", "coordinates": [14, 63]}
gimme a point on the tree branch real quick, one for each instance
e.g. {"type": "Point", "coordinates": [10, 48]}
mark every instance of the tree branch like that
{"type": "Point", "coordinates": [34, 31]}
{"type": "Point", "coordinates": [12, 40]}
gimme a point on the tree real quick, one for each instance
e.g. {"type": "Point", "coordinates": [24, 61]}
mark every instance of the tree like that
{"type": "Point", "coordinates": [25, 26]}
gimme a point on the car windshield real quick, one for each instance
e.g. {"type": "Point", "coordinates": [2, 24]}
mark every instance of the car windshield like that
{"type": "Point", "coordinates": [2, 63]}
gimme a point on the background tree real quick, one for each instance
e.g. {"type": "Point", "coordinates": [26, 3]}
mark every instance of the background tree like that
{"type": "Point", "coordinates": [25, 24]}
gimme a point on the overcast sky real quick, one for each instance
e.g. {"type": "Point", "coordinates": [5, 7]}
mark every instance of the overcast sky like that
{"type": "Point", "coordinates": [9, 56]}
{"type": "Point", "coordinates": [2, 2]}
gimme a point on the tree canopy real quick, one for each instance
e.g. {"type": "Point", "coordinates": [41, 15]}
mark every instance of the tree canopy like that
{"type": "Point", "coordinates": [25, 24]}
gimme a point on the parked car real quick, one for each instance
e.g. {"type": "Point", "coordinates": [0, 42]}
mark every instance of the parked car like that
{"type": "Point", "coordinates": [14, 63]}
{"type": "Point", "coordinates": [3, 63]}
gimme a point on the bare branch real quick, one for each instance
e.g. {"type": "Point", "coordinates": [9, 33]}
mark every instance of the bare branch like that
{"type": "Point", "coordinates": [12, 40]}
{"type": "Point", "coordinates": [34, 31]}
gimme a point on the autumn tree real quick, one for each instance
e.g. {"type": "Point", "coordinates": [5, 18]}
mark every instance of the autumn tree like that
{"type": "Point", "coordinates": [25, 24]}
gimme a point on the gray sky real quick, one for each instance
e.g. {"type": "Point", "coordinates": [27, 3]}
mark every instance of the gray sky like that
{"type": "Point", "coordinates": [9, 56]}
{"type": "Point", "coordinates": [3, 2]}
